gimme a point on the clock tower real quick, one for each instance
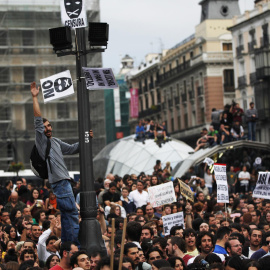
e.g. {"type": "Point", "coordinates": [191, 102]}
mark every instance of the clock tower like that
{"type": "Point", "coordinates": [219, 9]}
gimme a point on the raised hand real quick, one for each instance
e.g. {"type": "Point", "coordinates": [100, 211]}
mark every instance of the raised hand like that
{"type": "Point", "coordinates": [34, 89]}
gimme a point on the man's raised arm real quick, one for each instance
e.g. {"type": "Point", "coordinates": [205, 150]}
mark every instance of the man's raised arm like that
{"type": "Point", "coordinates": [35, 91]}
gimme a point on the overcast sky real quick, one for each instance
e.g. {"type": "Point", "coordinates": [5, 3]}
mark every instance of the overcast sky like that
{"type": "Point", "coordinates": [138, 27]}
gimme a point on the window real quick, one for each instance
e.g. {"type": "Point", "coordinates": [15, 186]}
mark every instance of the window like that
{"type": "Point", "coordinates": [4, 75]}
{"type": "Point", "coordinates": [29, 74]}
{"type": "Point", "coordinates": [227, 46]}
{"type": "Point", "coordinates": [62, 110]}
{"type": "Point", "coordinates": [28, 39]}
{"type": "Point", "coordinates": [3, 38]}
{"type": "Point", "coordinates": [229, 77]}
{"type": "Point", "coordinates": [191, 54]}
{"type": "Point", "coordinates": [240, 39]}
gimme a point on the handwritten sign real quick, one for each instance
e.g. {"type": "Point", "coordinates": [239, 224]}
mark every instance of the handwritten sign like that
{"type": "Point", "coordinates": [222, 184]}
{"type": "Point", "coordinates": [169, 221]}
{"type": "Point", "coordinates": [73, 13]}
{"type": "Point", "coordinates": [186, 191]}
{"type": "Point", "coordinates": [209, 161]}
{"type": "Point", "coordinates": [161, 194]}
{"type": "Point", "coordinates": [99, 78]}
{"type": "Point", "coordinates": [57, 86]}
{"type": "Point", "coordinates": [262, 189]}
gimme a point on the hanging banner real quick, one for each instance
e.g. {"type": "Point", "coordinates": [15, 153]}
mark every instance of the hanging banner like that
{"type": "Point", "coordinates": [222, 184]}
{"type": "Point", "coordinates": [169, 221]}
{"type": "Point", "coordinates": [186, 191]}
{"type": "Point", "coordinates": [57, 86]}
{"type": "Point", "coordinates": [262, 189]}
{"type": "Point", "coordinates": [73, 13]}
{"type": "Point", "coordinates": [117, 107]}
{"type": "Point", "coordinates": [99, 78]}
{"type": "Point", "coordinates": [161, 194]}
{"type": "Point", "coordinates": [134, 103]}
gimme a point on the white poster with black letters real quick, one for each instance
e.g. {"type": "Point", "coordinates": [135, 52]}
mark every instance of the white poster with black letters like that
{"type": "Point", "coordinates": [222, 184]}
{"type": "Point", "coordinates": [169, 221]}
{"type": "Point", "coordinates": [73, 13]}
{"type": "Point", "coordinates": [57, 86]}
{"type": "Point", "coordinates": [262, 189]}
{"type": "Point", "coordinates": [99, 78]}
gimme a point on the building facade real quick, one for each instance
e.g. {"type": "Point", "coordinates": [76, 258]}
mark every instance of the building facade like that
{"type": "Point", "coordinates": [193, 77]}
{"type": "Point", "coordinates": [251, 46]}
{"type": "Point", "coordinates": [26, 56]}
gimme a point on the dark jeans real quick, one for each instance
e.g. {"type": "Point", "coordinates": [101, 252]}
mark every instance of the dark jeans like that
{"type": "Point", "coordinates": [252, 131]}
{"type": "Point", "coordinates": [69, 213]}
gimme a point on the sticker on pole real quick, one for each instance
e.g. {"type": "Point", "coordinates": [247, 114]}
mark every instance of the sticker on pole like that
{"type": "Point", "coordinates": [57, 86]}
{"type": "Point", "coordinates": [99, 78]}
{"type": "Point", "coordinates": [73, 13]}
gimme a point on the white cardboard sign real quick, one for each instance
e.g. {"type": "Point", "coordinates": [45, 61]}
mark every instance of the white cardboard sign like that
{"type": "Point", "coordinates": [222, 184]}
{"type": "Point", "coordinates": [262, 189]}
{"type": "Point", "coordinates": [57, 86]}
{"type": "Point", "coordinates": [161, 194]}
{"type": "Point", "coordinates": [169, 221]}
{"type": "Point", "coordinates": [73, 13]}
{"type": "Point", "coordinates": [209, 161]}
{"type": "Point", "coordinates": [99, 78]}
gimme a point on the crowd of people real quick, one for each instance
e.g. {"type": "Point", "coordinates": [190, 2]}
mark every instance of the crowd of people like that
{"type": "Point", "coordinates": [227, 125]}
{"type": "Point", "coordinates": [213, 236]}
{"type": "Point", "coordinates": [147, 129]}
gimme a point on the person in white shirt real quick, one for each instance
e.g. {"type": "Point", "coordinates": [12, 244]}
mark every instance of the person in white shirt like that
{"type": "Point", "coordinates": [139, 196]}
{"type": "Point", "coordinates": [244, 177]}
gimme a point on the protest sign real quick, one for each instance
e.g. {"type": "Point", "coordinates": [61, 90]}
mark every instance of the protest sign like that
{"type": "Point", "coordinates": [57, 86]}
{"type": "Point", "coordinates": [99, 78]}
{"type": "Point", "coordinates": [161, 194]}
{"type": "Point", "coordinates": [209, 161]}
{"type": "Point", "coordinates": [172, 220]}
{"type": "Point", "coordinates": [186, 191]}
{"type": "Point", "coordinates": [262, 189]}
{"type": "Point", "coordinates": [222, 184]}
{"type": "Point", "coordinates": [73, 13]}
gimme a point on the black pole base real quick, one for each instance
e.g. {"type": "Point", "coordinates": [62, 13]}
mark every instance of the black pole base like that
{"type": "Point", "coordinates": [91, 241]}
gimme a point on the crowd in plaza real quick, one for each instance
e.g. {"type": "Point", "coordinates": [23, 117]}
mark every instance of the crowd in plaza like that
{"type": "Point", "coordinates": [40, 225]}
{"type": "Point", "coordinates": [213, 237]}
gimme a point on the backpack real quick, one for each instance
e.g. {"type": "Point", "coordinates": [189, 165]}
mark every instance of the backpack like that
{"type": "Point", "coordinates": [39, 165]}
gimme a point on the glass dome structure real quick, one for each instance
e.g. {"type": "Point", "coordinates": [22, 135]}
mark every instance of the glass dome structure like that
{"type": "Point", "coordinates": [126, 156]}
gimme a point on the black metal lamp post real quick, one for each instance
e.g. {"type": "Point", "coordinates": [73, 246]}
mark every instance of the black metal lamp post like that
{"type": "Point", "coordinates": [90, 236]}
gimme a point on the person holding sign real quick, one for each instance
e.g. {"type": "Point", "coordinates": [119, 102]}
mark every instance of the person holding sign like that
{"type": "Point", "coordinates": [57, 171]}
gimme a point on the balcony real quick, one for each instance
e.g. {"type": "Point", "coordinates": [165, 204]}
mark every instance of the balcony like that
{"type": "Point", "coordinates": [240, 50]}
{"type": "Point", "coordinates": [262, 63]}
{"type": "Point", "coordinates": [164, 106]}
{"type": "Point", "coordinates": [242, 82]}
{"type": "Point", "coordinates": [252, 78]}
{"type": "Point", "coordinates": [154, 109]}
{"type": "Point", "coordinates": [252, 46]}
{"type": "Point", "coordinates": [170, 101]}
{"type": "Point", "coordinates": [265, 41]}
{"type": "Point", "coordinates": [200, 90]}
{"type": "Point", "coordinates": [184, 97]}
{"type": "Point", "coordinates": [151, 86]}
{"type": "Point", "coordinates": [191, 95]}
{"type": "Point", "coordinates": [177, 100]}
{"type": "Point", "coordinates": [174, 72]}
{"type": "Point", "coordinates": [228, 88]}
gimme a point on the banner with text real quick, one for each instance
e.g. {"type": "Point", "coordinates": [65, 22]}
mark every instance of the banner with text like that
{"type": "Point", "coordinates": [222, 184]}
{"type": "Point", "coordinates": [161, 194]}
{"type": "Point", "coordinates": [99, 78]}
{"type": "Point", "coordinates": [186, 191]}
{"type": "Point", "coordinates": [262, 189]}
{"type": "Point", "coordinates": [73, 13]}
{"type": "Point", "coordinates": [169, 221]}
{"type": "Point", "coordinates": [57, 86]}
{"type": "Point", "coordinates": [134, 103]}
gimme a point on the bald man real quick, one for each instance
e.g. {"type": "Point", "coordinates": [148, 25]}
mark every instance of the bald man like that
{"type": "Point", "coordinates": [110, 176]}
{"type": "Point", "coordinates": [14, 203]}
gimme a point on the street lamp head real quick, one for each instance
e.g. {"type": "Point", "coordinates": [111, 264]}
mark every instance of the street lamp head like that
{"type": "Point", "coordinates": [60, 38]}
{"type": "Point", "coordinates": [98, 34]}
